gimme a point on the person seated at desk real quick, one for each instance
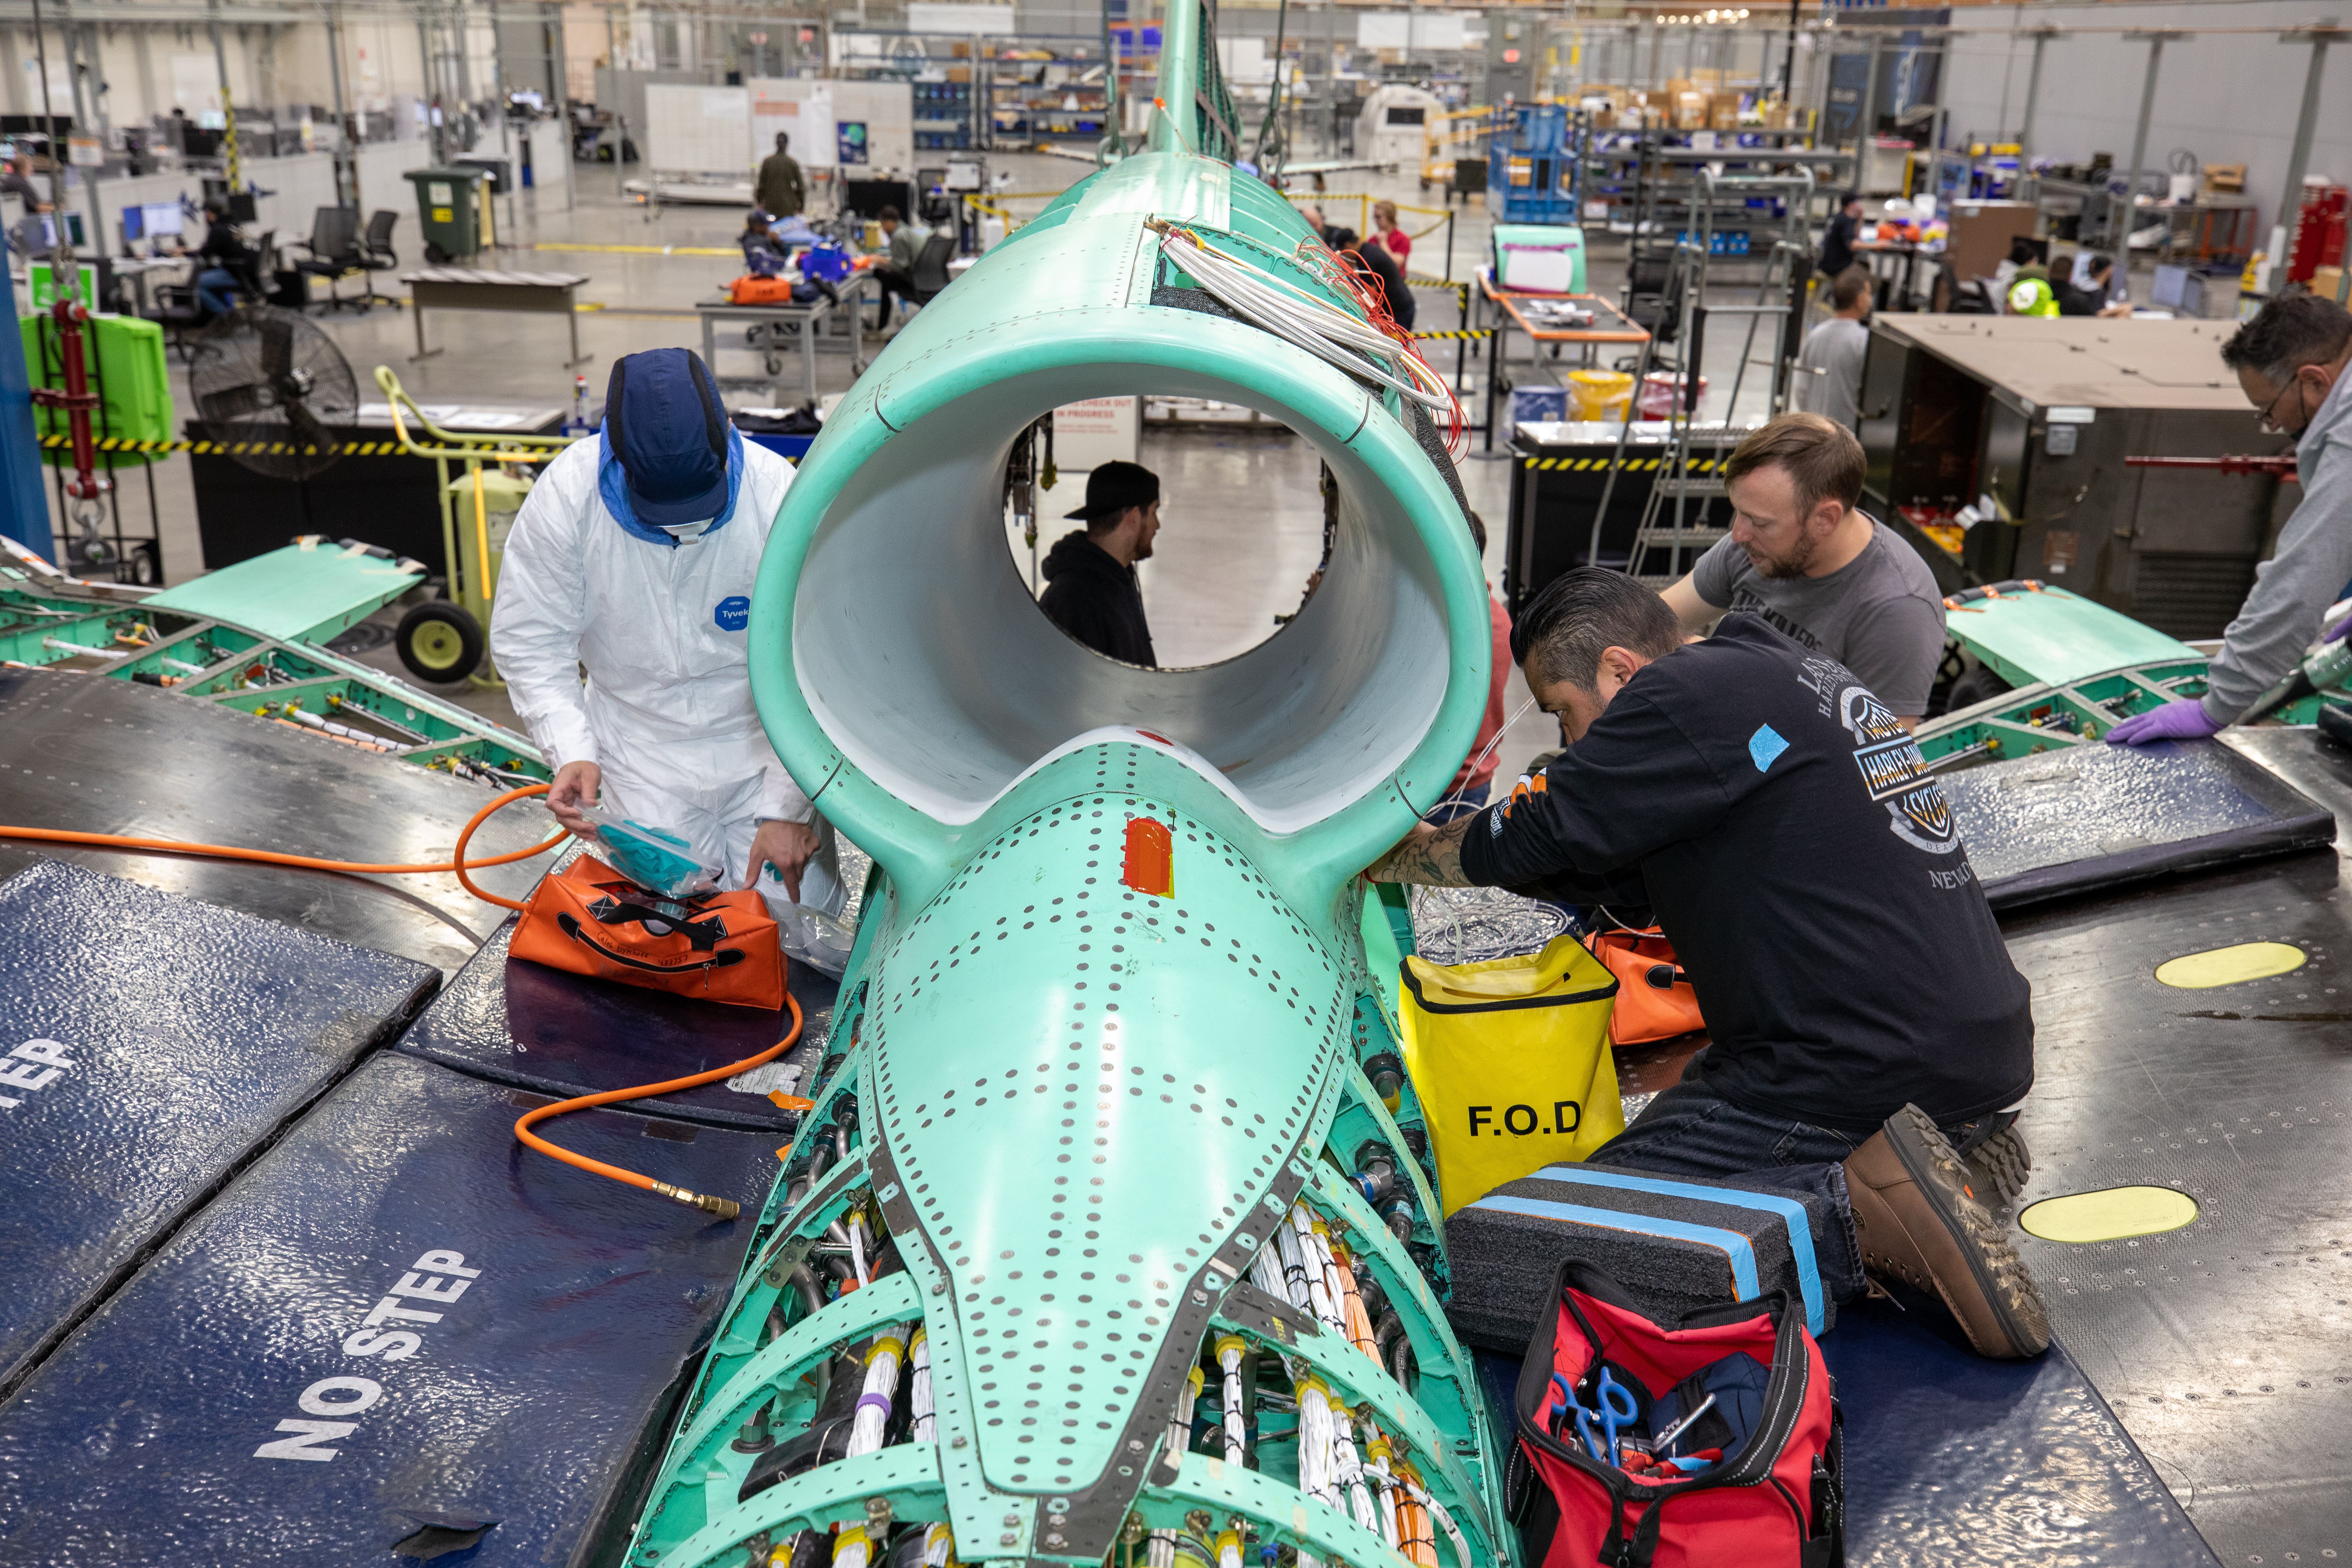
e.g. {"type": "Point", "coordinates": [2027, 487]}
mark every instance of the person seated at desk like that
{"type": "Point", "coordinates": [895, 278]}
{"type": "Point", "coordinates": [1868, 1031]}
{"type": "Point", "coordinates": [17, 181]}
{"type": "Point", "coordinates": [1803, 557]}
{"type": "Point", "coordinates": [763, 253]}
{"type": "Point", "coordinates": [223, 261]}
{"type": "Point", "coordinates": [2095, 298]}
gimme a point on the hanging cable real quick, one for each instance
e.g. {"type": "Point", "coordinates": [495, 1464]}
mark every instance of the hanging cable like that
{"type": "Point", "coordinates": [1230, 1350]}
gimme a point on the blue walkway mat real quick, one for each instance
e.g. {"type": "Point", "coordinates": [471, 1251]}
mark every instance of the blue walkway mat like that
{"type": "Point", "coordinates": [557, 1033]}
{"type": "Point", "coordinates": [397, 1321]}
{"type": "Point", "coordinates": [149, 1045]}
{"type": "Point", "coordinates": [1960, 1462]}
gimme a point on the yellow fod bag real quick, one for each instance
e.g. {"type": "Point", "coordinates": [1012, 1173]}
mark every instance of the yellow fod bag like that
{"type": "Point", "coordinates": [1511, 1061]}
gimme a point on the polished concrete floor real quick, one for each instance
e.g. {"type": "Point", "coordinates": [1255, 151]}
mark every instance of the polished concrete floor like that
{"type": "Point", "coordinates": [1243, 522]}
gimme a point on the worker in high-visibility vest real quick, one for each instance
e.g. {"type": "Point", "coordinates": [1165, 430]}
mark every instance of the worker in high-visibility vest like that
{"type": "Point", "coordinates": [2029, 293]}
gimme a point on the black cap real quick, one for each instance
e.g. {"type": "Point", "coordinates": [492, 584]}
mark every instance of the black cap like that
{"type": "Point", "coordinates": [1113, 488]}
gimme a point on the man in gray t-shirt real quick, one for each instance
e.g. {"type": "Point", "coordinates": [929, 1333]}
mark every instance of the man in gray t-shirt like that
{"type": "Point", "coordinates": [1828, 367]}
{"type": "Point", "coordinates": [1827, 575]}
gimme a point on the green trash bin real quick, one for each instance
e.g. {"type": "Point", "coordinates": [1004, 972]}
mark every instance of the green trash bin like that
{"type": "Point", "coordinates": [449, 208]}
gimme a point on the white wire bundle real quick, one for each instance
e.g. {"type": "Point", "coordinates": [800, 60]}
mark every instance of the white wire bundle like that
{"type": "Point", "coordinates": [1160, 1551]}
{"type": "Point", "coordinates": [1229, 1549]}
{"type": "Point", "coordinates": [939, 1546]}
{"type": "Point", "coordinates": [1265, 1273]}
{"type": "Point", "coordinates": [1295, 1288]}
{"type": "Point", "coordinates": [1376, 1461]}
{"type": "Point", "coordinates": [1317, 1477]}
{"type": "Point", "coordinates": [1350, 1465]}
{"type": "Point", "coordinates": [874, 1403]}
{"type": "Point", "coordinates": [919, 1397]}
{"type": "Point", "coordinates": [1311, 1269]}
{"type": "Point", "coordinates": [1229, 1361]}
{"type": "Point", "coordinates": [851, 1549]}
{"type": "Point", "coordinates": [857, 1251]}
{"type": "Point", "coordinates": [1321, 328]}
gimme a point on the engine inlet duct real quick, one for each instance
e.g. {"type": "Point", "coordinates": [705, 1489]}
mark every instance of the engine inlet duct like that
{"type": "Point", "coordinates": [1098, 1245]}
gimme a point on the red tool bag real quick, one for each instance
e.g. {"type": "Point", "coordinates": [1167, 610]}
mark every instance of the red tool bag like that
{"type": "Point", "coordinates": [1773, 1494]}
{"type": "Point", "coordinates": [753, 290]}
{"type": "Point", "coordinates": [1655, 1000]}
{"type": "Point", "coordinates": [588, 919]}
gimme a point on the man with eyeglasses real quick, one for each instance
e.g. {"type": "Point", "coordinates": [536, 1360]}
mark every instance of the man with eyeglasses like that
{"type": "Point", "coordinates": [2290, 360]}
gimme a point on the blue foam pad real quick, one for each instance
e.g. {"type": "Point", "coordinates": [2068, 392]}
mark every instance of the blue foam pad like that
{"type": "Point", "coordinates": [1960, 1461]}
{"type": "Point", "coordinates": [557, 1033]}
{"type": "Point", "coordinates": [170, 1427]}
{"type": "Point", "coordinates": [192, 1034]}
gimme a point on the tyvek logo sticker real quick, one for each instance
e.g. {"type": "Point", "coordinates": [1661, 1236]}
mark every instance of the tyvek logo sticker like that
{"type": "Point", "coordinates": [733, 614]}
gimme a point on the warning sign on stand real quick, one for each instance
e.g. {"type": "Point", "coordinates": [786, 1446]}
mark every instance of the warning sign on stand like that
{"type": "Point", "coordinates": [1100, 430]}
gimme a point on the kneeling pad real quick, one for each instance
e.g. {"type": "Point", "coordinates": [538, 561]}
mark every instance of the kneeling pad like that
{"type": "Point", "coordinates": [1674, 1244]}
{"type": "Point", "coordinates": [396, 1332]}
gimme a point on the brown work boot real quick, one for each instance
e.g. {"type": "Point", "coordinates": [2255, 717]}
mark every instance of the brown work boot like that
{"type": "Point", "coordinates": [1920, 1223]}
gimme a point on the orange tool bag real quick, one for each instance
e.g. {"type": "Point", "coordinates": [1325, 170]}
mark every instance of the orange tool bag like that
{"type": "Point", "coordinates": [588, 919]}
{"type": "Point", "coordinates": [1655, 1000]}
{"type": "Point", "coordinates": [753, 289]}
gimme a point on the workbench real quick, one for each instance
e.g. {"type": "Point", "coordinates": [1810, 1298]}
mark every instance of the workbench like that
{"type": "Point", "coordinates": [806, 319]}
{"type": "Point", "coordinates": [469, 289]}
{"type": "Point", "coordinates": [2026, 422]}
{"type": "Point", "coordinates": [1504, 306]}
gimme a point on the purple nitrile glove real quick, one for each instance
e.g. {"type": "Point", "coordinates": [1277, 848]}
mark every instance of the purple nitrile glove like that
{"type": "Point", "coordinates": [2336, 632]}
{"type": "Point", "coordinates": [2182, 719]}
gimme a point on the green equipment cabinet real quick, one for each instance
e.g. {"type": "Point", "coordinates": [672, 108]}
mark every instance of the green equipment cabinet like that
{"type": "Point", "coordinates": [127, 370]}
{"type": "Point", "coordinates": [453, 208]}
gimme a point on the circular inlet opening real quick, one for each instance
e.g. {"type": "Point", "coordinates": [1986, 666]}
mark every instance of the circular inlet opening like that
{"type": "Point", "coordinates": [923, 653]}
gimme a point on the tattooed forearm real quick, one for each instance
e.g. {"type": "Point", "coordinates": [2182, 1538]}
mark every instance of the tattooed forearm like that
{"type": "Point", "coordinates": [1429, 856]}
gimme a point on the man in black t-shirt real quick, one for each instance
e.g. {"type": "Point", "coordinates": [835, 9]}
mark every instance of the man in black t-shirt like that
{"type": "Point", "coordinates": [1866, 1023]}
{"type": "Point", "coordinates": [1838, 238]}
{"type": "Point", "coordinates": [1377, 261]}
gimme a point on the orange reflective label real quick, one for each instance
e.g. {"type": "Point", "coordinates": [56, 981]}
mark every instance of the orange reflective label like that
{"type": "Point", "coordinates": [1151, 865]}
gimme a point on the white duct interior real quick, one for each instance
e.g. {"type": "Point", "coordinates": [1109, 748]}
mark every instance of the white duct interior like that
{"type": "Point", "coordinates": [926, 661]}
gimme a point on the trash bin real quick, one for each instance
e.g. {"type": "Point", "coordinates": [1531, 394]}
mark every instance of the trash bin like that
{"type": "Point", "coordinates": [449, 204]}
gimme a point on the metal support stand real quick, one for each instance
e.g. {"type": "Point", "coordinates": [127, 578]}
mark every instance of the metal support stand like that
{"type": "Point", "coordinates": [2291, 202]}
{"type": "Point", "coordinates": [2119, 231]}
{"type": "Point", "coordinates": [2042, 36]}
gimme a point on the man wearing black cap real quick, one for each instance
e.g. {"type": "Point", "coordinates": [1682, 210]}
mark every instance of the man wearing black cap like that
{"type": "Point", "coordinates": [1091, 590]}
{"type": "Point", "coordinates": [634, 559]}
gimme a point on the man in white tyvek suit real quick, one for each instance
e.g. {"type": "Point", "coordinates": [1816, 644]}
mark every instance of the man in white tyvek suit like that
{"type": "Point", "coordinates": [634, 557]}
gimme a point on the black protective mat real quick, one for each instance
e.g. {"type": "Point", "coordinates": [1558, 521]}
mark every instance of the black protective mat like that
{"type": "Point", "coordinates": [99, 755]}
{"type": "Point", "coordinates": [2225, 1347]}
{"type": "Point", "coordinates": [149, 1046]}
{"type": "Point", "coordinates": [2084, 818]}
{"type": "Point", "coordinates": [551, 1313]}
{"type": "Point", "coordinates": [538, 1028]}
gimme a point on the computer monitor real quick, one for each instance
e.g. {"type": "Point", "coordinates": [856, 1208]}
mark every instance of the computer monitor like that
{"type": "Point", "coordinates": [133, 224]}
{"type": "Point", "coordinates": [74, 230]}
{"type": "Point", "coordinates": [2172, 290]}
{"type": "Point", "coordinates": [162, 219]}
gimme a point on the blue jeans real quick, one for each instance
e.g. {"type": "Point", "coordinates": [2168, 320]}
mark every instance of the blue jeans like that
{"type": "Point", "coordinates": [217, 290]}
{"type": "Point", "coordinates": [1690, 1131]}
{"type": "Point", "coordinates": [1458, 804]}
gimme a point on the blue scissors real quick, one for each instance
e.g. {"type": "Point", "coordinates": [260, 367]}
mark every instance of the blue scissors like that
{"type": "Point", "coordinates": [1618, 1409]}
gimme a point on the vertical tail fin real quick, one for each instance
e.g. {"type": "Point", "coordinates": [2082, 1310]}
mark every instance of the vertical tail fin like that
{"type": "Point", "coordinates": [1198, 114]}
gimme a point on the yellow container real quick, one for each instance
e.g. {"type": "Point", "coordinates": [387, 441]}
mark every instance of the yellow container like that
{"type": "Point", "coordinates": [1599, 394]}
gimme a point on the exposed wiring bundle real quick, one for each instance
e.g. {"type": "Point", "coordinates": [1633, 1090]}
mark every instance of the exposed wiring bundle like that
{"type": "Point", "coordinates": [1326, 329]}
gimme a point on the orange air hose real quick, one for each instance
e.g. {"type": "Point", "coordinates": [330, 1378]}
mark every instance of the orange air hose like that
{"type": "Point", "coordinates": [458, 863]}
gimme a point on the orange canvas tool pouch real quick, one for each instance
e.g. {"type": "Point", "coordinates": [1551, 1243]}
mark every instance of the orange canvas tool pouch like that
{"type": "Point", "coordinates": [588, 919]}
{"type": "Point", "coordinates": [1655, 1000]}
{"type": "Point", "coordinates": [752, 289]}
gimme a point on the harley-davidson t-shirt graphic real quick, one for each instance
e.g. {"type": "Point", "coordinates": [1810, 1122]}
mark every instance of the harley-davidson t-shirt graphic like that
{"type": "Point", "coordinates": [1892, 768]}
{"type": "Point", "coordinates": [1785, 832]}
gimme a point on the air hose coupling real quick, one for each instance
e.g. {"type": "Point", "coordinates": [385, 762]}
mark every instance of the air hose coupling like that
{"type": "Point", "coordinates": [725, 1209]}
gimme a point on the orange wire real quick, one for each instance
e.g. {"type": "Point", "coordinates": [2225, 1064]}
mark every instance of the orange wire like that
{"type": "Point", "coordinates": [722, 1207]}
{"type": "Point", "coordinates": [457, 861]}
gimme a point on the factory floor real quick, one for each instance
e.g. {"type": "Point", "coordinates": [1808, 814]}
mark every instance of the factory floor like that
{"type": "Point", "coordinates": [1242, 523]}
